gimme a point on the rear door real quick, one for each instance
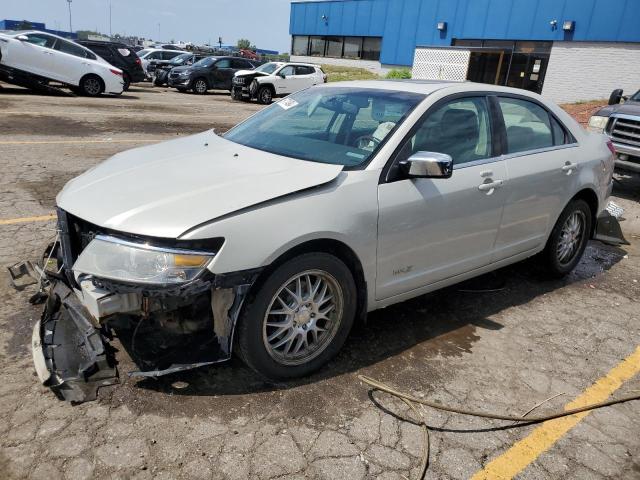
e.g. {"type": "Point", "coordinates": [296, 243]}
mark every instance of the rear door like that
{"type": "Point", "coordinates": [221, 74]}
{"type": "Point", "coordinates": [70, 62]}
{"type": "Point", "coordinates": [304, 77]}
{"type": "Point", "coordinates": [541, 173]}
{"type": "Point", "coordinates": [430, 230]}
{"type": "Point", "coordinates": [34, 55]}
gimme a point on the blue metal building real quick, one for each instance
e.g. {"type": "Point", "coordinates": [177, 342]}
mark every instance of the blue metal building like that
{"type": "Point", "coordinates": [391, 31]}
{"type": "Point", "coordinates": [27, 25]}
{"type": "Point", "coordinates": [404, 24]}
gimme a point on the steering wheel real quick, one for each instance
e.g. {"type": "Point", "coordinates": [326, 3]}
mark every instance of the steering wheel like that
{"type": "Point", "coordinates": [363, 142]}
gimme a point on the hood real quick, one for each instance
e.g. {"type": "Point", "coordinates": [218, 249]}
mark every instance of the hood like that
{"type": "Point", "coordinates": [163, 190]}
{"type": "Point", "coordinates": [627, 108]}
{"type": "Point", "coordinates": [241, 73]}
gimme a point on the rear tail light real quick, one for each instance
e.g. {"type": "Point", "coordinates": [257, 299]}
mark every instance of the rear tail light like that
{"type": "Point", "coordinates": [138, 61]}
{"type": "Point", "coordinates": [115, 72]}
{"type": "Point", "coordinates": [611, 147]}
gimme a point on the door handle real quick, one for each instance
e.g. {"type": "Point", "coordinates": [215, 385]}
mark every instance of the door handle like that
{"type": "Point", "coordinates": [569, 167]}
{"type": "Point", "coordinates": [490, 186]}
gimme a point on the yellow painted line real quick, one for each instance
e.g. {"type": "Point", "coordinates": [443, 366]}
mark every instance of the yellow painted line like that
{"type": "Point", "coordinates": [71, 142]}
{"type": "Point", "coordinates": [42, 218]}
{"type": "Point", "coordinates": [521, 454]}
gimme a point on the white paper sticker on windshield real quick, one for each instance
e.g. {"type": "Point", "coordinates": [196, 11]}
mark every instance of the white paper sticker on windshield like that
{"type": "Point", "coordinates": [287, 103]}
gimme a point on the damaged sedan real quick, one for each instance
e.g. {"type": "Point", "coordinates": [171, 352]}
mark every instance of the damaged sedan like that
{"type": "Point", "coordinates": [271, 240]}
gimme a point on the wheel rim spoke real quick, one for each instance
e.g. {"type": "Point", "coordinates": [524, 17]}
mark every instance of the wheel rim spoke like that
{"type": "Point", "coordinates": [303, 317]}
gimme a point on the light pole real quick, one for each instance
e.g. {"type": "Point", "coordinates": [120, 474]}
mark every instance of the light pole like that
{"type": "Point", "coordinates": [110, 30]}
{"type": "Point", "coordinates": [70, 27]}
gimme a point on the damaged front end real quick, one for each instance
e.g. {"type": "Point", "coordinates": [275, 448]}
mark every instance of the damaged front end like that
{"type": "Point", "coordinates": [164, 328]}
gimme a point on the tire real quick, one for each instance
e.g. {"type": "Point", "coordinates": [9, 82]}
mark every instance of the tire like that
{"type": "Point", "coordinates": [259, 336]}
{"type": "Point", "coordinates": [568, 239]}
{"type": "Point", "coordinates": [91, 85]}
{"type": "Point", "coordinates": [200, 86]}
{"type": "Point", "coordinates": [265, 95]}
{"type": "Point", "coordinates": [127, 81]}
{"type": "Point", "coordinates": [235, 95]}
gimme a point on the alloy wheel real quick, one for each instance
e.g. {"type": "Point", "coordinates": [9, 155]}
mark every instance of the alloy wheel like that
{"type": "Point", "coordinates": [571, 237]}
{"type": "Point", "coordinates": [303, 317]}
{"type": "Point", "coordinates": [201, 86]}
{"type": "Point", "coordinates": [92, 86]}
{"type": "Point", "coordinates": [265, 96]}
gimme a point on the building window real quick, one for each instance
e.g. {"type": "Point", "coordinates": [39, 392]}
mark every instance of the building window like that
{"type": "Point", "coordinates": [352, 47]}
{"type": "Point", "coordinates": [316, 46]}
{"type": "Point", "coordinates": [371, 48]}
{"type": "Point", "coordinates": [334, 47]}
{"type": "Point", "coordinates": [300, 45]}
{"type": "Point", "coordinates": [366, 48]}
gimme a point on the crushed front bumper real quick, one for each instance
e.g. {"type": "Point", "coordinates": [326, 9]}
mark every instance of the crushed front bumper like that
{"type": "Point", "coordinates": [70, 354]}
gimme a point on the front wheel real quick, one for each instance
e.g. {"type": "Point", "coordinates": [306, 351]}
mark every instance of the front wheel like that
{"type": "Point", "coordinates": [200, 86]}
{"type": "Point", "coordinates": [568, 239]}
{"type": "Point", "coordinates": [265, 95]}
{"type": "Point", "coordinates": [299, 317]}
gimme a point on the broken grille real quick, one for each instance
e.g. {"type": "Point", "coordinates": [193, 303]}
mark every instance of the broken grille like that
{"type": "Point", "coordinates": [626, 130]}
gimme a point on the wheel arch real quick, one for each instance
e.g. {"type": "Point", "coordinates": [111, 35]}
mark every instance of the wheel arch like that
{"type": "Point", "coordinates": [92, 74]}
{"type": "Point", "coordinates": [332, 247]}
{"type": "Point", "coordinates": [591, 197]}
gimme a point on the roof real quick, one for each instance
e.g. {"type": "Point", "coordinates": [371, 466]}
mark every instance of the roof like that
{"type": "Point", "coordinates": [427, 87]}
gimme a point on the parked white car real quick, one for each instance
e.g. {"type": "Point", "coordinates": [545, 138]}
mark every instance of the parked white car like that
{"type": "Point", "coordinates": [50, 57]}
{"type": "Point", "coordinates": [275, 79]}
{"type": "Point", "coordinates": [150, 56]}
{"type": "Point", "coordinates": [333, 202]}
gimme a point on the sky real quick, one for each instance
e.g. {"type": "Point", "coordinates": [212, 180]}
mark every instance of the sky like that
{"type": "Point", "coordinates": [264, 22]}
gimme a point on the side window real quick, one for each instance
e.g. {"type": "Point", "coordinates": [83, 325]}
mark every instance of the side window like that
{"type": "Point", "coordinates": [560, 136]}
{"type": "Point", "coordinates": [224, 63]}
{"type": "Point", "coordinates": [527, 125]}
{"type": "Point", "coordinates": [240, 64]}
{"type": "Point", "coordinates": [286, 71]}
{"type": "Point", "coordinates": [41, 40]}
{"type": "Point", "coordinates": [247, 65]}
{"type": "Point", "coordinates": [460, 128]}
{"type": "Point", "coordinates": [71, 49]}
{"type": "Point", "coordinates": [154, 56]}
{"type": "Point", "coordinates": [303, 70]}
{"type": "Point", "coordinates": [170, 55]}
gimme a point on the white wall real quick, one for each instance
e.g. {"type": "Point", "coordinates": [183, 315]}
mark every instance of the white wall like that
{"type": "Point", "coordinates": [591, 70]}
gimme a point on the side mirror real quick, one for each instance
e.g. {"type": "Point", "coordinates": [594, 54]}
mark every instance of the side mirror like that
{"type": "Point", "coordinates": [615, 97]}
{"type": "Point", "coordinates": [282, 75]}
{"type": "Point", "coordinates": [22, 38]}
{"type": "Point", "coordinates": [428, 165]}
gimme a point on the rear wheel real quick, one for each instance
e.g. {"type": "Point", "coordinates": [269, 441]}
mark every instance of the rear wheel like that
{"type": "Point", "coordinates": [299, 317]}
{"type": "Point", "coordinates": [91, 85]}
{"type": "Point", "coordinates": [568, 239]}
{"type": "Point", "coordinates": [200, 86]}
{"type": "Point", "coordinates": [127, 81]}
{"type": "Point", "coordinates": [265, 95]}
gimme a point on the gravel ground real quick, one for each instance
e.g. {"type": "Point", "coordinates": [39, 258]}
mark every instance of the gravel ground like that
{"type": "Point", "coordinates": [504, 350]}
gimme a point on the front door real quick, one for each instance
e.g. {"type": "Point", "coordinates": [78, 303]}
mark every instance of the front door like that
{"type": "Point", "coordinates": [284, 81]}
{"type": "Point", "coordinates": [433, 229]}
{"type": "Point", "coordinates": [35, 55]}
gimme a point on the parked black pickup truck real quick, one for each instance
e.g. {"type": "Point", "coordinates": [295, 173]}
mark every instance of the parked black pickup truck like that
{"type": "Point", "coordinates": [620, 120]}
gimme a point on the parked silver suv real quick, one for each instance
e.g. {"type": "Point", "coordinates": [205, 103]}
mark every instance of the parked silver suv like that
{"type": "Point", "coordinates": [275, 237]}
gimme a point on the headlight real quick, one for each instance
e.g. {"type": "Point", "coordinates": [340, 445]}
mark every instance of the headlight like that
{"type": "Point", "coordinates": [116, 259]}
{"type": "Point", "coordinates": [597, 124]}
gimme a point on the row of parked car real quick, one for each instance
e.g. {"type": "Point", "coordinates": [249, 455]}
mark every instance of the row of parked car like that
{"type": "Point", "coordinates": [243, 78]}
{"type": "Point", "coordinates": [34, 59]}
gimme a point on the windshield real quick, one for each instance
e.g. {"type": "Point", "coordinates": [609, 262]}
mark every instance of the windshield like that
{"type": "Point", "coordinates": [636, 97]}
{"type": "Point", "coordinates": [267, 67]}
{"type": "Point", "coordinates": [205, 62]}
{"type": "Point", "coordinates": [143, 52]}
{"type": "Point", "coordinates": [180, 59]}
{"type": "Point", "coordinates": [343, 126]}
